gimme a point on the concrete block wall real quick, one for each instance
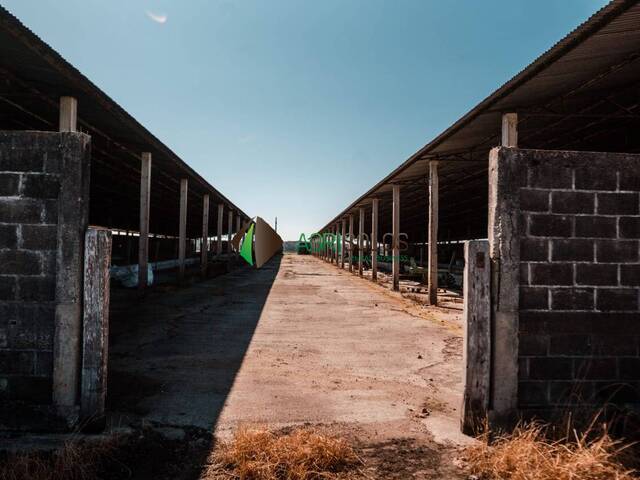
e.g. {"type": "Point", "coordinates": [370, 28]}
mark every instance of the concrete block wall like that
{"type": "Point", "coordinates": [579, 295]}
{"type": "Point", "coordinates": [33, 169]}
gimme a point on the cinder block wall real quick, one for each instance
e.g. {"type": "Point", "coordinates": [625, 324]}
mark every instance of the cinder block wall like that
{"type": "Point", "coordinates": [579, 319]}
{"type": "Point", "coordinates": [33, 168]}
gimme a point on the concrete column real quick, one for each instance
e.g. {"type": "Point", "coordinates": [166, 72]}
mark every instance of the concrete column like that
{"type": "Point", "coordinates": [351, 242]}
{"type": "Point", "coordinates": [343, 243]}
{"type": "Point", "coordinates": [510, 130]}
{"type": "Point", "coordinates": [68, 120]}
{"type": "Point", "coordinates": [238, 223]}
{"type": "Point", "coordinates": [432, 267]}
{"type": "Point", "coordinates": [145, 197]}
{"type": "Point", "coordinates": [220, 219]}
{"type": "Point", "coordinates": [337, 256]}
{"type": "Point", "coordinates": [230, 229]}
{"type": "Point", "coordinates": [395, 242]}
{"type": "Point", "coordinates": [361, 243]}
{"type": "Point", "coordinates": [374, 239]}
{"type": "Point", "coordinates": [182, 240]}
{"type": "Point", "coordinates": [204, 249]}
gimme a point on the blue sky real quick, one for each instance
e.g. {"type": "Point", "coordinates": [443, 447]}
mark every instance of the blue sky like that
{"type": "Point", "coordinates": [294, 108]}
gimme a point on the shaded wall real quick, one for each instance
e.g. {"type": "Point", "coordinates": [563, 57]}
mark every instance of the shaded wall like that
{"type": "Point", "coordinates": [43, 215]}
{"type": "Point", "coordinates": [576, 220]}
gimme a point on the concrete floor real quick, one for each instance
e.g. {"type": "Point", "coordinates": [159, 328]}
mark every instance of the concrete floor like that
{"type": "Point", "coordinates": [297, 341]}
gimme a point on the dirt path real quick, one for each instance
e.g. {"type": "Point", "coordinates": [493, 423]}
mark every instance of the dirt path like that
{"type": "Point", "coordinates": [298, 342]}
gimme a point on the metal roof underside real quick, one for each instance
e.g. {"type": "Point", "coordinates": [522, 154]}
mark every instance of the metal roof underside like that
{"type": "Point", "coordinates": [34, 76]}
{"type": "Point", "coordinates": [582, 94]}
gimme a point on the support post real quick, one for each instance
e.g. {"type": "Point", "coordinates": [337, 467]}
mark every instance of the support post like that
{"type": "Point", "coordinates": [204, 248]}
{"type": "Point", "coordinates": [432, 268]}
{"type": "Point", "coordinates": [351, 242]}
{"type": "Point", "coordinates": [476, 322]}
{"type": "Point", "coordinates": [395, 238]}
{"type": "Point", "coordinates": [510, 130]}
{"type": "Point", "coordinates": [337, 255]}
{"type": "Point", "coordinates": [220, 222]}
{"type": "Point", "coordinates": [68, 120]}
{"type": "Point", "coordinates": [374, 239]}
{"type": "Point", "coordinates": [143, 241]}
{"type": "Point", "coordinates": [238, 223]}
{"type": "Point", "coordinates": [93, 389]}
{"type": "Point", "coordinates": [343, 244]}
{"type": "Point", "coordinates": [230, 230]}
{"type": "Point", "coordinates": [361, 243]}
{"type": "Point", "coordinates": [182, 240]}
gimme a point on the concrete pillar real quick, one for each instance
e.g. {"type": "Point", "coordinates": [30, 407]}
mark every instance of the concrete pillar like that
{"type": "Point", "coordinates": [351, 242]}
{"type": "Point", "coordinates": [374, 239]}
{"type": "Point", "coordinates": [432, 267]}
{"type": "Point", "coordinates": [68, 120]}
{"type": "Point", "coordinates": [145, 197]}
{"type": "Point", "coordinates": [337, 256]}
{"type": "Point", "coordinates": [238, 223]}
{"type": "Point", "coordinates": [361, 243]}
{"type": "Point", "coordinates": [182, 240]}
{"type": "Point", "coordinates": [510, 130]}
{"type": "Point", "coordinates": [204, 248]}
{"type": "Point", "coordinates": [230, 229]}
{"type": "Point", "coordinates": [343, 243]}
{"type": "Point", "coordinates": [220, 219]}
{"type": "Point", "coordinates": [395, 242]}
{"type": "Point", "coordinates": [95, 336]}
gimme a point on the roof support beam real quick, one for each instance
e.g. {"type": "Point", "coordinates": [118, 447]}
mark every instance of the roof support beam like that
{"type": "Point", "coordinates": [68, 114]}
{"type": "Point", "coordinates": [510, 130]}
{"type": "Point", "coordinates": [361, 243]}
{"type": "Point", "coordinates": [220, 220]}
{"type": "Point", "coordinates": [182, 239]}
{"type": "Point", "coordinates": [230, 230]}
{"type": "Point", "coordinates": [351, 242]}
{"type": "Point", "coordinates": [374, 239]}
{"type": "Point", "coordinates": [432, 268]}
{"type": "Point", "coordinates": [145, 199]}
{"type": "Point", "coordinates": [395, 242]}
{"type": "Point", "coordinates": [344, 244]}
{"type": "Point", "coordinates": [204, 248]}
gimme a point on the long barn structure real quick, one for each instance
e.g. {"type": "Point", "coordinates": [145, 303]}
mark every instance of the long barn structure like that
{"type": "Point", "coordinates": [83, 185]}
{"type": "Point", "coordinates": [544, 176]}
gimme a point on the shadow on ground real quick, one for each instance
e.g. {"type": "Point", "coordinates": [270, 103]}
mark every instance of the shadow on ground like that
{"type": "Point", "coordinates": [174, 356]}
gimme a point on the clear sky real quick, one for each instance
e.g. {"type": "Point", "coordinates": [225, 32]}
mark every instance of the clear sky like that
{"type": "Point", "coordinates": [293, 108]}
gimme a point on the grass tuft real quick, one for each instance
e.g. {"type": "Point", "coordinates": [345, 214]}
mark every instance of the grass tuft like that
{"type": "Point", "coordinates": [528, 454]}
{"type": "Point", "coordinates": [302, 454]}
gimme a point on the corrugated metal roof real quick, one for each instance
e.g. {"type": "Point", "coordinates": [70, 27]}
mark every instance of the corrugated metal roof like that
{"type": "Point", "coordinates": [599, 55]}
{"type": "Point", "coordinates": [26, 59]}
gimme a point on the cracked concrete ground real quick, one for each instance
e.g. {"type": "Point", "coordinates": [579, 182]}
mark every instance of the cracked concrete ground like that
{"type": "Point", "coordinates": [296, 342]}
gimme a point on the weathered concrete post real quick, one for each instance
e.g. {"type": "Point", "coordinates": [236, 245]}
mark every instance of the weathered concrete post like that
{"type": "Point", "coordinates": [343, 243]}
{"type": "Point", "coordinates": [351, 242]}
{"type": "Point", "coordinates": [432, 267]}
{"type": "Point", "coordinates": [73, 219]}
{"type": "Point", "coordinates": [204, 248]}
{"type": "Point", "coordinates": [361, 243]}
{"type": "Point", "coordinates": [476, 321]}
{"type": "Point", "coordinates": [374, 239]}
{"type": "Point", "coordinates": [182, 239]}
{"type": "Point", "coordinates": [395, 241]}
{"type": "Point", "coordinates": [238, 223]}
{"type": "Point", "coordinates": [143, 241]}
{"type": "Point", "coordinates": [93, 392]}
{"type": "Point", "coordinates": [337, 244]}
{"type": "Point", "coordinates": [230, 229]}
{"type": "Point", "coordinates": [220, 221]}
{"type": "Point", "coordinates": [510, 130]}
{"type": "Point", "coordinates": [68, 121]}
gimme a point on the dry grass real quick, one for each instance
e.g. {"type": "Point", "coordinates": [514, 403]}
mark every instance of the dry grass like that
{"type": "Point", "coordinates": [74, 461]}
{"type": "Point", "coordinates": [528, 454]}
{"type": "Point", "coordinates": [302, 454]}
